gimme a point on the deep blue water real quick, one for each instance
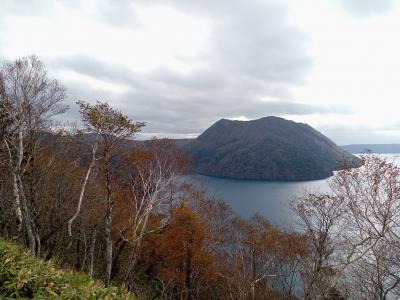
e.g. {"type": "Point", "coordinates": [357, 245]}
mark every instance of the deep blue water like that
{"type": "Point", "coordinates": [269, 199]}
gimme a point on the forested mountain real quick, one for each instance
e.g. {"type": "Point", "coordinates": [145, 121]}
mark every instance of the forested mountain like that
{"type": "Point", "coordinates": [269, 148]}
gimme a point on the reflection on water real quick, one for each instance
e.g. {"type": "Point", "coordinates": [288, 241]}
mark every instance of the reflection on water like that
{"type": "Point", "coordinates": [269, 199]}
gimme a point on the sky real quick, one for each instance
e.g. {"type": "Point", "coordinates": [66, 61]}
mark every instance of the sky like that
{"type": "Point", "coordinates": [182, 65]}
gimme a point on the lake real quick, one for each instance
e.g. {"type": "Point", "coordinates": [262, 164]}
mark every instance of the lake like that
{"type": "Point", "coordinates": [269, 199]}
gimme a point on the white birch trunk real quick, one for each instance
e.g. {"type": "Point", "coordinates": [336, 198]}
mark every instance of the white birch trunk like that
{"type": "Point", "coordinates": [83, 189]}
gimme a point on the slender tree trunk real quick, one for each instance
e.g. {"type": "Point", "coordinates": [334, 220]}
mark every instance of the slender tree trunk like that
{"type": "Point", "coordinates": [253, 276]}
{"type": "Point", "coordinates": [17, 200]}
{"type": "Point", "coordinates": [91, 252]}
{"type": "Point", "coordinates": [17, 205]}
{"type": "Point", "coordinates": [120, 246]}
{"type": "Point", "coordinates": [83, 189]}
{"type": "Point", "coordinates": [22, 208]}
{"type": "Point", "coordinates": [78, 250]}
{"type": "Point", "coordinates": [188, 275]}
{"type": "Point", "coordinates": [132, 263]}
{"type": "Point", "coordinates": [85, 251]}
{"type": "Point", "coordinates": [109, 203]}
{"type": "Point", "coordinates": [135, 251]}
{"type": "Point", "coordinates": [109, 248]}
{"type": "Point", "coordinates": [33, 236]}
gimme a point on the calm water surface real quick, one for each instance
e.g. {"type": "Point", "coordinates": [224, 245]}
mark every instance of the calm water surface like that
{"type": "Point", "coordinates": [269, 199]}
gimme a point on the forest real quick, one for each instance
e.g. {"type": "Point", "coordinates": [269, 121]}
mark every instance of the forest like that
{"type": "Point", "coordinates": [92, 197]}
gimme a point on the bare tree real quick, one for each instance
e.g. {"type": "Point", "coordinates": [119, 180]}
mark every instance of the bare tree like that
{"type": "Point", "coordinates": [153, 169]}
{"type": "Point", "coordinates": [94, 147]}
{"type": "Point", "coordinates": [354, 233]}
{"type": "Point", "coordinates": [112, 127]}
{"type": "Point", "coordinates": [250, 258]}
{"type": "Point", "coordinates": [370, 227]}
{"type": "Point", "coordinates": [320, 216]}
{"type": "Point", "coordinates": [29, 98]}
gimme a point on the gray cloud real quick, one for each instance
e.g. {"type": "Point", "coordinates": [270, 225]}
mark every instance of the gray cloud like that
{"type": "Point", "coordinates": [123, 14]}
{"type": "Point", "coordinates": [250, 62]}
{"type": "Point", "coordinates": [253, 54]}
{"type": "Point", "coordinates": [361, 134]}
{"type": "Point", "coordinates": [182, 105]}
{"type": "Point", "coordinates": [362, 8]}
{"type": "Point", "coordinates": [114, 13]}
{"type": "Point", "coordinates": [252, 38]}
{"type": "Point", "coordinates": [256, 41]}
{"type": "Point", "coordinates": [101, 70]}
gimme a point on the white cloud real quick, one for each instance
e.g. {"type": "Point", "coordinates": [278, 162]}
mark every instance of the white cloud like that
{"type": "Point", "coordinates": [180, 65]}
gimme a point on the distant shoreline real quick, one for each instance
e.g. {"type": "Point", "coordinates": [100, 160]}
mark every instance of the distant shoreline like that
{"type": "Point", "coordinates": [372, 148]}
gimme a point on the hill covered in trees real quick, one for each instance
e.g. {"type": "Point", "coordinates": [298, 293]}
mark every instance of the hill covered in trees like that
{"type": "Point", "coordinates": [269, 148]}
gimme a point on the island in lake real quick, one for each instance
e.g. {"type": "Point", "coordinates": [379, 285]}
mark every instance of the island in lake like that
{"type": "Point", "coordinates": [270, 148]}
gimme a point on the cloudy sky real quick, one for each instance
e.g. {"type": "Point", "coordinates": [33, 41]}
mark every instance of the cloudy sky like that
{"type": "Point", "coordinates": [180, 65]}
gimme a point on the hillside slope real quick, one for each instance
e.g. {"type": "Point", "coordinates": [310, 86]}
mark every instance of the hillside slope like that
{"type": "Point", "coordinates": [269, 148]}
{"type": "Point", "coordinates": [24, 276]}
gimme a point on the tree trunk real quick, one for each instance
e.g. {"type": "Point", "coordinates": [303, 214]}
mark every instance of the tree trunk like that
{"type": "Point", "coordinates": [17, 204]}
{"type": "Point", "coordinates": [91, 252]}
{"type": "Point", "coordinates": [188, 275]}
{"type": "Point", "coordinates": [109, 203]}
{"type": "Point", "coordinates": [253, 275]}
{"type": "Point", "coordinates": [78, 254]}
{"type": "Point", "coordinates": [31, 231]}
{"type": "Point", "coordinates": [22, 208]}
{"type": "Point", "coordinates": [83, 188]}
{"type": "Point", "coordinates": [17, 199]}
{"type": "Point", "coordinates": [120, 245]}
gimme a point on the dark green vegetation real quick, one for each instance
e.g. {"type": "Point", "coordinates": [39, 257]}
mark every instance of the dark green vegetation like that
{"type": "Point", "coordinates": [25, 276]}
{"type": "Point", "coordinates": [270, 148]}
